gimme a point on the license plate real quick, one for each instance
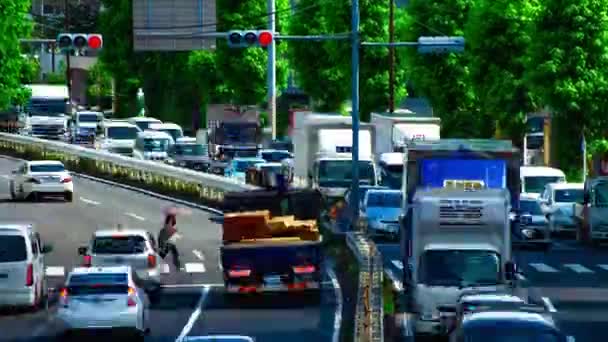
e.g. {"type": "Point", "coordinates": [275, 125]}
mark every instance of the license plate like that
{"type": "Point", "coordinates": [273, 282]}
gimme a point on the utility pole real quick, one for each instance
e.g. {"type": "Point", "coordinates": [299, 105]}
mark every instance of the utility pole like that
{"type": "Point", "coordinates": [355, 45]}
{"type": "Point", "coordinates": [391, 57]}
{"type": "Point", "coordinates": [272, 66]}
{"type": "Point", "coordinates": [66, 26]}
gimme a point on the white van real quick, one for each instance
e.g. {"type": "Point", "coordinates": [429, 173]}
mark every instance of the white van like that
{"type": "Point", "coordinates": [119, 137]}
{"type": "Point", "coordinates": [152, 145]}
{"type": "Point", "coordinates": [534, 178]}
{"type": "Point", "coordinates": [174, 130]}
{"type": "Point", "coordinates": [143, 122]}
{"type": "Point", "coordinates": [22, 279]}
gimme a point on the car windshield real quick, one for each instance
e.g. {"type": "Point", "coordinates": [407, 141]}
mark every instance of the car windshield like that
{"type": "Point", "coordinates": [98, 283]}
{"type": "Point", "coordinates": [143, 125]}
{"type": "Point", "coordinates": [536, 184]}
{"type": "Point", "coordinates": [122, 133]}
{"type": "Point", "coordinates": [88, 118]}
{"type": "Point", "coordinates": [601, 194]}
{"type": "Point", "coordinates": [47, 107]}
{"type": "Point", "coordinates": [459, 268]}
{"type": "Point", "coordinates": [392, 176]}
{"type": "Point", "coordinates": [384, 199]}
{"type": "Point", "coordinates": [133, 244]}
{"type": "Point", "coordinates": [174, 133]}
{"type": "Point", "coordinates": [531, 207]}
{"type": "Point", "coordinates": [239, 133]}
{"type": "Point", "coordinates": [569, 196]}
{"type": "Point", "coordinates": [338, 173]}
{"type": "Point", "coordinates": [47, 168]}
{"type": "Point", "coordinates": [156, 145]}
{"type": "Point", "coordinates": [510, 333]}
{"type": "Point", "coordinates": [190, 150]}
{"type": "Point", "coordinates": [275, 157]}
{"type": "Point", "coordinates": [12, 248]}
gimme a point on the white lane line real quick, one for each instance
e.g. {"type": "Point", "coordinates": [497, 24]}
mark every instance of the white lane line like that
{"type": "Point", "coordinates": [137, 217]}
{"type": "Point", "coordinates": [88, 201]}
{"type": "Point", "coordinates": [54, 271]}
{"type": "Point", "coordinates": [540, 267]}
{"type": "Point", "coordinates": [578, 268]}
{"type": "Point", "coordinates": [398, 264]}
{"type": "Point", "coordinates": [338, 314]}
{"type": "Point", "coordinates": [194, 267]}
{"type": "Point", "coordinates": [195, 315]}
{"type": "Point", "coordinates": [548, 304]}
{"type": "Point", "coordinates": [164, 268]}
{"type": "Point", "coordinates": [604, 267]}
{"type": "Point", "coordinates": [199, 255]}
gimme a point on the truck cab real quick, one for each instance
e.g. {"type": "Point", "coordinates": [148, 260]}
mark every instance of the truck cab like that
{"type": "Point", "coordinates": [174, 130]}
{"type": "Point", "coordinates": [48, 111]}
{"type": "Point", "coordinates": [85, 124]}
{"type": "Point", "coordinates": [118, 137]}
{"type": "Point", "coordinates": [459, 240]}
{"type": "Point", "coordinates": [152, 145]}
{"type": "Point", "coordinates": [390, 167]}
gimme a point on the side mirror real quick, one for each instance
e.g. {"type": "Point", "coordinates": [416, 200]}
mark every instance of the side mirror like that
{"type": "Point", "coordinates": [47, 249]}
{"type": "Point", "coordinates": [82, 250]}
{"type": "Point", "coordinates": [510, 270]}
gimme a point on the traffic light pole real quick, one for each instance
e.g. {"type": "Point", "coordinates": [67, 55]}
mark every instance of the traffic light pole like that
{"type": "Point", "coordinates": [272, 69]}
{"type": "Point", "coordinates": [68, 74]}
{"type": "Point", "coordinates": [355, 46]}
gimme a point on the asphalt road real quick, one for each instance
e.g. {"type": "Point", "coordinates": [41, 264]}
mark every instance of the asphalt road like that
{"type": "Point", "coordinates": [570, 279]}
{"type": "Point", "coordinates": [193, 301]}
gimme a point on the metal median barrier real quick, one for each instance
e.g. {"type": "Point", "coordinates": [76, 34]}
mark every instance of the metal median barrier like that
{"type": "Point", "coordinates": [203, 188]}
{"type": "Point", "coordinates": [369, 316]}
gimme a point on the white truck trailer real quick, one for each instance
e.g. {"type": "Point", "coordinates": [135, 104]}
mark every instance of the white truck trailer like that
{"type": "Point", "coordinates": [394, 130]}
{"type": "Point", "coordinates": [323, 153]}
{"type": "Point", "coordinates": [460, 241]}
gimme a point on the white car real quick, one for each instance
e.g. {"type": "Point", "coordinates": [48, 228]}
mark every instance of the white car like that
{"type": "Point", "coordinates": [41, 178]}
{"type": "Point", "coordinates": [103, 298]}
{"type": "Point", "coordinates": [22, 281]}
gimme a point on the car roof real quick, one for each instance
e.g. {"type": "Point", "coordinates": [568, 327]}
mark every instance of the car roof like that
{"type": "Point", "coordinates": [490, 318]}
{"type": "Point", "coordinates": [539, 171]}
{"type": "Point", "coordinates": [566, 186]}
{"type": "Point", "coordinates": [109, 124]}
{"type": "Point", "coordinates": [44, 162]}
{"type": "Point", "coordinates": [491, 297]}
{"type": "Point", "coordinates": [150, 134]}
{"type": "Point", "coordinates": [101, 269]}
{"type": "Point", "coordinates": [144, 119]}
{"type": "Point", "coordinates": [15, 227]}
{"type": "Point", "coordinates": [165, 125]}
{"type": "Point", "coordinates": [120, 232]}
{"type": "Point", "coordinates": [269, 164]}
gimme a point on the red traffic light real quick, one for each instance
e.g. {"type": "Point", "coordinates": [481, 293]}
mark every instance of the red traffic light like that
{"type": "Point", "coordinates": [95, 41]}
{"type": "Point", "coordinates": [265, 38]}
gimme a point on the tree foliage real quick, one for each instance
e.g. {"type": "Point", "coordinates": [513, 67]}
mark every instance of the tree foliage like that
{"type": "Point", "coordinates": [243, 71]}
{"type": "Point", "coordinates": [13, 25]}
{"type": "Point", "coordinates": [498, 36]}
{"type": "Point", "coordinates": [567, 69]}
{"type": "Point", "coordinates": [445, 79]}
{"type": "Point", "coordinates": [83, 19]}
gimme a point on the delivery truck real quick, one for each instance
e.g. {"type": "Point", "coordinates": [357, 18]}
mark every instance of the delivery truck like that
{"type": "Point", "coordinates": [394, 130]}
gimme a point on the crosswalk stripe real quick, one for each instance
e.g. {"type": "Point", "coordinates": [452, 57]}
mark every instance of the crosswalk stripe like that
{"type": "Point", "coordinates": [194, 267]}
{"type": "Point", "coordinates": [540, 267]}
{"type": "Point", "coordinates": [54, 271]}
{"type": "Point", "coordinates": [604, 267]}
{"type": "Point", "coordinates": [398, 264]}
{"type": "Point", "coordinates": [165, 268]}
{"type": "Point", "coordinates": [578, 268]}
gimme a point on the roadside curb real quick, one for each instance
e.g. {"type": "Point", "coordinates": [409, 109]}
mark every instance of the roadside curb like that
{"type": "Point", "coordinates": [135, 189]}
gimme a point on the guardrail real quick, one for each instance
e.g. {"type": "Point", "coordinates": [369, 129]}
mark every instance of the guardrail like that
{"type": "Point", "coordinates": [205, 188]}
{"type": "Point", "coordinates": [369, 316]}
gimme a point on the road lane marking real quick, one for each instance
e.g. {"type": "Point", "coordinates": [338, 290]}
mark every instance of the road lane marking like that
{"type": "Point", "coordinates": [194, 267]}
{"type": "Point", "coordinates": [398, 264]}
{"type": "Point", "coordinates": [338, 313]}
{"type": "Point", "coordinates": [578, 268]}
{"type": "Point", "coordinates": [164, 268]}
{"type": "Point", "coordinates": [548, 304]}
{"type": "Point", "coordinates": [195, 315]}
{"type": "Point", "coordinates": [604, 267]}
{"type": "Point", "coordinates": [540, 267]}
{"type": "Point", "coordinates": [54, 271]}
{"type": "Point", "coordinates": [137, 217]}
{"type": "Point", "coordinates": [88, 201]}
{"type": "Point", "coordinates": [198, 254]}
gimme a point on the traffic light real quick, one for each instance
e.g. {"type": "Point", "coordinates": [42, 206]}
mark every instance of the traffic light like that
{"type": "Point", "coordinates": [438, 45]}
{"type": "Point", "coordinates": [244, 39]}
{"type": "Point", "coordinates": [79, 41]}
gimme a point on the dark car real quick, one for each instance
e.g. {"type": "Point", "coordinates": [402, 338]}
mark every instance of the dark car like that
{"type": "Point", "coordinates": [189, 155]}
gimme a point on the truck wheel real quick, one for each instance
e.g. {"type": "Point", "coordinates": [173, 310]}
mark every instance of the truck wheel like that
{"type": "Point", "coordinates": [68, 196]}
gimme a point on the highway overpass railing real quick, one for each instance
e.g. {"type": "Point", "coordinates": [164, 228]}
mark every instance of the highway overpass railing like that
{"type": "Point", "coordinates": [369, 316]}
{"type": "Point", "coordinates": [203, 188]}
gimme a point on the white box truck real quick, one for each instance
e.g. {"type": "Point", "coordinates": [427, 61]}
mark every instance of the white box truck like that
{"type": "Point", "coordinates": [323, 153]}
{"type": "Point", "coordinates": [393, 130]}
{"type": "Point", "coordinates": [48, 111]}
{"type": "Point", "coordinates": [459, 241]}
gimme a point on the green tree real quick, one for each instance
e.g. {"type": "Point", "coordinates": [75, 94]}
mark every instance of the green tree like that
{"type": "Point", "coordinates": [116, 26]}
{"type": "Point", "coordinates": [498, 35]}
{"type": "Point", "coordinates": [445, 79]}
{"type": "Point", "coordinates": [243, 71]}
{"type": "Point", "coordinates": [83, 19]}
{"type": "Point", "coordinates": [567, 69]}
{"type": "Point", "coordinates": [99, 82]}
{"type": "Point", "coordinates": [13, 25]}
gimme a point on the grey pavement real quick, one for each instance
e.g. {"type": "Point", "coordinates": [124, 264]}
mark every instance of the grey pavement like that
{"type": "Point", "coordinates": [572, 279]}
{"type": "Point", "coordinates": [181, 310]}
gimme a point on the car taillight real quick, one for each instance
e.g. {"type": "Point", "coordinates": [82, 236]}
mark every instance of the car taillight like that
{"type": "Point", "coordinates": [66, 180]}
{"type": "Point", "coordinates": [151, 261]}
{"type": "Point", "coordinates": [63, 296]}
{"type": "Point", "coordinates": [29, 277]}
{"type": "Point", "coordinates": [239, 273]}
{"type": "Point", "coordinates": [86, 260]}
{"type": "Point", "coordinates": [131, 300]}
{"type": "Point", "coordinates": [304, 269]}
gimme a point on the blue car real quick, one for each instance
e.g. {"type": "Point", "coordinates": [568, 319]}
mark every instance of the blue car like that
{"type": "Point", "coordinates": [237, 168]}
{"type": "Point", "coordinates": [382, 209]}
